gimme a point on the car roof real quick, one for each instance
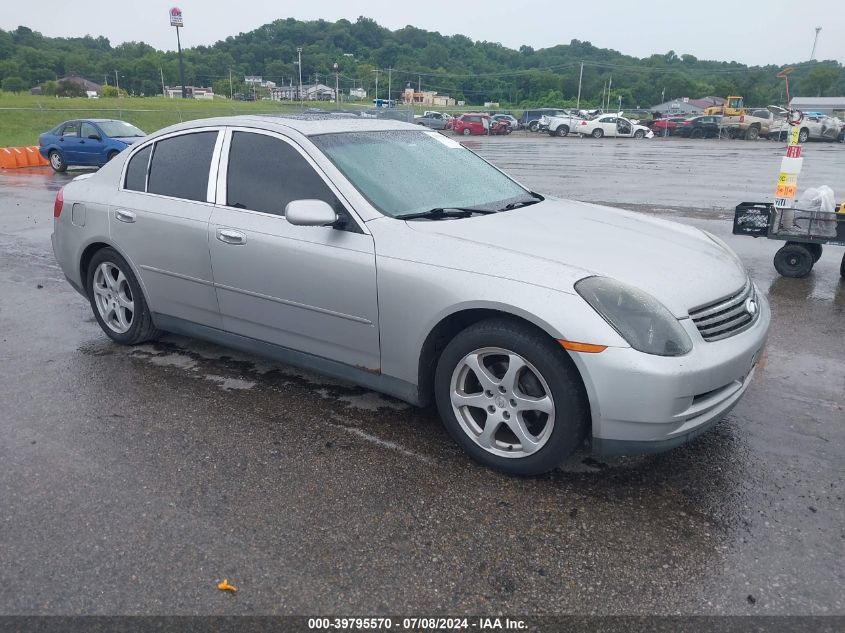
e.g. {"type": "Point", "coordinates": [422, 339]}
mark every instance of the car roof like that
{"type": "Point", "coordinates": [309, 125]}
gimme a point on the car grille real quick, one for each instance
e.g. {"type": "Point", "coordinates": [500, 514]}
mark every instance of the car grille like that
{"type": "Point", "coordinates": [726, 317]}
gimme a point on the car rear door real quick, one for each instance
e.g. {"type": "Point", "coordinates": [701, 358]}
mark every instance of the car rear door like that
{"type": "Point", "coordinates": [69, 142]}
{"type": "Point", "coordinates": [159, 221]}
{"type": "Point", "coordinates": [310, 289]}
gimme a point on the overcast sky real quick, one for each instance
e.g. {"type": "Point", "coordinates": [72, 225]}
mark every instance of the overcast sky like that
{"type": "Point", "coordinates": [761, 32]}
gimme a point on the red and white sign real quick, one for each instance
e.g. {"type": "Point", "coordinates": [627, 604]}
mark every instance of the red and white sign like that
{"type": "Point", "coordinates": [176, 17]}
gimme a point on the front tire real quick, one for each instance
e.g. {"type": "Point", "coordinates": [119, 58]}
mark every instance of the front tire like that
{"type": "Point", "coordinates": [111, 155]}
{"type": "Point", "coordinates": [533, 126]}
{"type": "Point", "coordinates": [752, 134]}
{"type": "Point", "coordinates": [57, 162]}
{"type": "Point", "coordinates": [562, 130]}
{"type": "Point", "coordinates": [794, 260]}
{"type": "Point", "coordinates": [639, 134]}
{"type": "Point", "coordinates": [510, 397]}
{"type": "Point", "coordinates": [117, 300]}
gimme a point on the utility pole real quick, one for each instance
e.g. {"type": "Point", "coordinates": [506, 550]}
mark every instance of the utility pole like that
{"type": "Point", "coordinates": [609, 87]}
{"type": "Point", "coordinates": [815, 41]}
{"type": "Point", "coordinates": [389, 77]}
{"type": "Point", "coordinates": [419, 83]}
{"type": "Point", "coordinates": [336, 85]}
{"type": "Point", "coordinates": [117, 83]}
{"type": "Point", "coordinates": [163, 91]}
{"type": "Point", "coordinates": [299, 64]}
{"type": "Point", "coordinates": [580, 77]}
{"type": "Point", "coordinates": [376, 71]}
{"type": "Point", "coordinates": [231, 90]}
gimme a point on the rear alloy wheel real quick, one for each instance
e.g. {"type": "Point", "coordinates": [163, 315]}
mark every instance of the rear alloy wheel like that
{"type": "Point", "coordinates": [752, 134]}
{"type": "Point", "coordinates": [117, 300]}
{"type": "Point", "coordinates": [510, 397]}
{"type": "Point", "coordinates": [533, 126]}
{"type": "Point", "coordinates": [597, 133]}
{"type": "Point", "coordinates": [794, 260]}
{"type": "Point", "coordinates": [466, 131]}
{"type": "Point", "coordinates": [57, 162]}
{"type": "Point", "coordinates": [562, 130]}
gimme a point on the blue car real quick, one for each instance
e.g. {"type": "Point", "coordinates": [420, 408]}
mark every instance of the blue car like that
{"type": "Point", "coordinates": [91, 142]}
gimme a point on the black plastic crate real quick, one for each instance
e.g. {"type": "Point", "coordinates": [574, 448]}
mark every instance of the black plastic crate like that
{"type": "Point", "coordinates": [752, 218]}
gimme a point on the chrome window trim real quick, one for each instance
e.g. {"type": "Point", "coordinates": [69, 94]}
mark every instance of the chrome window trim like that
{"type": "Point", "coordinates": [223, 171]}
{"type": "Point", "coordinates": [152, 142]}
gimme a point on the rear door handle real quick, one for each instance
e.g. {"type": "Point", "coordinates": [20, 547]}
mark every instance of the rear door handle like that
{"type": "Point", "coordinates": [230, 236]}
{"type": "Point", "coordinates": [124, 216]}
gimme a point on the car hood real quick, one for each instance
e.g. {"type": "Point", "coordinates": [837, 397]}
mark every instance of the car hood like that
{"type": "Point", "coordinates": [557, 242]}
{"type": "Point", "coordinates": [129, 140]}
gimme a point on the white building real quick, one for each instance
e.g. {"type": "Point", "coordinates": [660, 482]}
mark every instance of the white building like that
{"type": "Point", "coordinates": [191, 92]}
{"type": "Point", "coordinates": [357, 93]}
{"type": "Point", "coordinates": [826, 105]}
{"type": "Point", "coordinates": [310, 92]}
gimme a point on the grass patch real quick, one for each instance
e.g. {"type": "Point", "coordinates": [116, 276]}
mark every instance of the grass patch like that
{"type": "Point", "coordinates": [24, 117]}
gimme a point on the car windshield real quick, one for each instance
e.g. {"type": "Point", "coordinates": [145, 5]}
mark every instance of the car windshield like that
{"type": "Point", "coordinates": [404, 172]}
{"type": "Point", "coordinates": [118, 129]}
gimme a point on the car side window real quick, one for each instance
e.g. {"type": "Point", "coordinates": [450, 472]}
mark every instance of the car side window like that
{"type": "Point", "coordinates": [88, 130]}
{"type": "Point", "coordinates": [266, 173]}
{"type": "Point", "coordinates": [136, 171]}
{"type": "Point", "coordinates": [180, 166]}
{"type": "Point", "coordinates": [70, 129]}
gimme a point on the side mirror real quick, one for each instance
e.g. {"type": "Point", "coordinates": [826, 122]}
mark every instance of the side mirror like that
{"type": "Point", "coordinates": [94, 137]}
{"type": "Point", "coordinates": [310, 213]}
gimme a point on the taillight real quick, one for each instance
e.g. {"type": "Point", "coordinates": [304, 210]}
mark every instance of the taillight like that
{"type": "Point", "coordinates": [57, 205]}
{"type": "Point", "coordinates": [583, 123]}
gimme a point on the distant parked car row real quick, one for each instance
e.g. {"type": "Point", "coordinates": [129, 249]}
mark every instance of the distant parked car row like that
{"type": "Point", "coordinates": [769, 122]}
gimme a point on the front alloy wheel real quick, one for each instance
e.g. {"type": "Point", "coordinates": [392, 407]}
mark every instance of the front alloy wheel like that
{"type": "Point", "coordinates": [502, 402]}
{"type": "Point", "coordinates": [511, 397]}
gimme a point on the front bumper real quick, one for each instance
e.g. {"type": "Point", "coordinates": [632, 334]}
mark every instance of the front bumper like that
{"type": "Point", "coordinates": [642, 403]}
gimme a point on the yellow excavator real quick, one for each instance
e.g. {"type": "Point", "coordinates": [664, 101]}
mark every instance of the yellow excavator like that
{"type": "Point", "coordinates": [734, 106]}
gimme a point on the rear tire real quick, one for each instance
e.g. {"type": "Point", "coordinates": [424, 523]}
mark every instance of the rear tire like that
{"type": "Point", "coordinates": [533, 126]}
{"type": "Point", "coordinates": [794, 260]}
{"type": "Point", "coordinates": [468, 402]}
{"type": "Point", "coordinates": [752, 134]}
{"type": "Point", "coordinates": [57, 162]}
{"type": "Point", "coordinates": [117, 300]}
{"type": "Point", "coordinates": [597, 133]}
{"type": "Point", "coordinates": [696, 134]}
{"type": "Point", "coordinates": [466, 131]}
{"type": "Point", "coordinates": [562, 130]}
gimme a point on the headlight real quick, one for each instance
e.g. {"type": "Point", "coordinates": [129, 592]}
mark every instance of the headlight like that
{"type": "Point", "coordinates": [638, 317]}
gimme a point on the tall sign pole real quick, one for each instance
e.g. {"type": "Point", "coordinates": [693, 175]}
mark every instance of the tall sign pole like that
{"type": "Point", "coordinates": [177, 21]}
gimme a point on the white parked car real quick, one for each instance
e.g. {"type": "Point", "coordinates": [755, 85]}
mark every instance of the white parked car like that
{"type": "Point", "coordinates": [612, 125]}
{"type": "Point", "coordinates": [562, 124]}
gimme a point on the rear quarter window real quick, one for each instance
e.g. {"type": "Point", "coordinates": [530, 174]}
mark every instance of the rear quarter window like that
{"type": "Point", "coordinates": [136, 171]}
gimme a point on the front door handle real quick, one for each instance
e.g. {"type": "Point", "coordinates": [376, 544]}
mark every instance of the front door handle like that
{"type": "Point", "coordinates": [124, 216]}
{"type": "Point", "coordinates": [230, 236]}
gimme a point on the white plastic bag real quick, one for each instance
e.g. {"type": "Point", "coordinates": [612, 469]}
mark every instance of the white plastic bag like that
{"type": "Point", "coordinates": [815, 200]}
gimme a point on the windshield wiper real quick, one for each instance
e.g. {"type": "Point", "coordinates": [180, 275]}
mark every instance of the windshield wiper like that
{"type": "Point", "coordinates": [445, 212]}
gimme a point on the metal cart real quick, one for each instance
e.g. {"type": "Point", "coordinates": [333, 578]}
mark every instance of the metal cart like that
{"type": "Point", "coordinates": [803, 231]}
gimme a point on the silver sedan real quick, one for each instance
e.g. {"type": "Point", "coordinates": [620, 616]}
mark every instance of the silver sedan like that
{"type": "Point", "coordinates": [395, 258]}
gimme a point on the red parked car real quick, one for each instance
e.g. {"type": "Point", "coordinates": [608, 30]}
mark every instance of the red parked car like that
{"type": "Point", "coordinates": [479, 123]}
{"type": "Point", "coordinates": [666, 127]}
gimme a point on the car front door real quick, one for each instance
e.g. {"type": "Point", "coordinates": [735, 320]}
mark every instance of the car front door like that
{"type": "Point", "coordinates": [69, 142]}
{"type": "Point", "coordinates": [624, 127]}
{"type": "Point", "coordinates": [307, 288]}
{"type": "Point", "coordinates": [159, 221]}
{"type": "Point", "coordinates": [90, 145]}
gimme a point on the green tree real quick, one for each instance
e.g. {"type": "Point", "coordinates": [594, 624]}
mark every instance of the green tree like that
{"type": "Point", "coordinates": [14, 84]}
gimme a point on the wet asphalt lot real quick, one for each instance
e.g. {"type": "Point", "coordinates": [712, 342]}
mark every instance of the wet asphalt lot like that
{"type": "Point", "coordinates": [133, 479]}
